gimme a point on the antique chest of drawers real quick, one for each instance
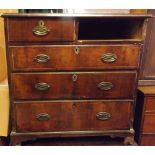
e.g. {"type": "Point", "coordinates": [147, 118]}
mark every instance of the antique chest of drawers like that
{"type": "Point", "coordinates": [73, 75]}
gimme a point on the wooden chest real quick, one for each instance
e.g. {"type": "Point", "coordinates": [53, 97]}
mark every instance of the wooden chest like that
{"type": "Point", "coordinates": [73, 75]}
{"type": "Point", "coordinates": [145, 116]}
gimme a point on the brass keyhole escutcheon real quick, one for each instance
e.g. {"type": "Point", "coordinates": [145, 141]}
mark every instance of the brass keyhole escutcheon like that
{"type": "Point", "coordinates": [77, 50]}
{"type": "Point", "coordinates": [41, 29]}
{"type": "Point", "coordinates": [74, 77]}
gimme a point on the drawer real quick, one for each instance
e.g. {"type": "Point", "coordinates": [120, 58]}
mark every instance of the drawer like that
{"type": "Point", "coordinates": [29, 58]}
{"type": "Point", "coordinates": [149, 123]}
{"type": "Point", "coordinates": [40, 30]}
{"type": "Point", "coordinates": [150, 104]}
{"type": "Point", "coordinates": [72, 116]}
{"type": "Point", "coordinates": [148, 140]}
{"type": "Point", "coordinates": [74, 85]}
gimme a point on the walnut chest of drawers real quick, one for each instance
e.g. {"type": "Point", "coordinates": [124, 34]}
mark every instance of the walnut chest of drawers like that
{"type": "Point", "coordinates": [73, 75]}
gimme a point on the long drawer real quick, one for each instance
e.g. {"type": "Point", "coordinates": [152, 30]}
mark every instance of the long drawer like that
{"type": "Point", "coordinates": [59, 57]}
{"type": "Point", "coordinates": [74, 85]}
{"type": "Point", "coordinates": [72, 116]}
{"type": "Point", "coordinates": [40, 30]}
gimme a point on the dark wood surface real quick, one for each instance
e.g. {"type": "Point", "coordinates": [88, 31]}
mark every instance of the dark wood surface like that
{"type": "Point", "coordinates": [150, 104]}
{"type": "Point", "coordinates": [62, 85]}
{"type": "Point", "coordinates": [72, 116]}
{"type": "Point", "coordinates": [145, 116]}
{"type": "Point", "coordinates": [88, 15]}
{"type": "Point", "coordinates": [147, 71]}
{"type": "Point", "coordinates": [60, 30]}
{"type": "Point", "coordinates": [62, 57]}
{"type": "Point", "coordinates": [76, 84]}
{"type": "Point", "coordinates": [148, 140]}
{"type": "Point", "coordinates": [149, 123]}
{"type": "Point", "coordinates": [108, 29]}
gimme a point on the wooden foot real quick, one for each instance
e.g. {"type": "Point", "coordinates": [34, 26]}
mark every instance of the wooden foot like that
{"type": "Point", "coordinates": [16, 140]}
{"type": "Point", "coordinates": [129, 140]}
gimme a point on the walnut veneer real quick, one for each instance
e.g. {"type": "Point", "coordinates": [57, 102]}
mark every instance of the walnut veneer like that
{"type": "Point", "coordinates": [73, 75]}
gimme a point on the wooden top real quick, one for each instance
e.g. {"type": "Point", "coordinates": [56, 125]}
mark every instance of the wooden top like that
{"type": "Point", "coordinates": [59, 15]}
{"type": "Point", "coordinates": [147, 90]}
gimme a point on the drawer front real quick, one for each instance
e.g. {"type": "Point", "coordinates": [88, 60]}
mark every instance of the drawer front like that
{"type": "Point", "coordinates": [72, 116]}
{"type": "Point", "coordinates": [40, 30]}
{"type": "Point", "coordinates": [78, 85]}
{"type": "Point", "coordinates": [150, 104]}
{"type": "Point", "coordinates": [148, 140]}
{"type": "Point", "coordinates": [149, 123]}
{"type": "Point", "coordinates": [74, 57]}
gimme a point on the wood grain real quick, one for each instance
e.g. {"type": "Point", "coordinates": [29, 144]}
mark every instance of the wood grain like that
{"type": "Point", "coordinates": [62, 85]}
{"type": "Point", "coordinates": [147, 71]}
{"type": "Point", "coordinates": [148, 124]}
{"type": "Point", "coordinates": [60, 30]}
{"type": "Point", "coordinates": [66, 58]}
{"type": "Point", "coordinates": [150, 104]}
{"type": "Point", "coordinates": [144, 123]}
{"type": "Point", "coordinates": [148, 140]}
{"type": "Point", "coordinates": [72, 116]}
{"type": "Point", "coordinates": [73, 102]}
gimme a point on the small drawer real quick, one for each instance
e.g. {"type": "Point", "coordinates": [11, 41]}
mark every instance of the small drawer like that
{"type": "Point", "coordinates": [149, 123]}
{"type": "Point", "coordinates": [40, 30]}
{"type": "Point", "coordinates": [74, 85]}
{"type": "Point", "coordinates": [29, 58]}
{"type": "Point", "coordinates": [150, 104]}
{"type": "Point", "coordinates": [72, 116]}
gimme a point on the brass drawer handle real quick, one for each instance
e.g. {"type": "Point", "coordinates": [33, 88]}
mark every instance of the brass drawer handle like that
{"type": "Point", "coordinates": [41, 29]}
{"type": "Point", "coordinates": [105, 85]}
{"type": "Point", "coordinates": [43, 117]}
{"type": "Point", "coordinates": [41, 58]}
{"type": "Point", "coordinates": [42, 86]}
{"type": "Point", "coordinates": [103, 116]}
{"type": "Point", "coordinates": [109, 57]}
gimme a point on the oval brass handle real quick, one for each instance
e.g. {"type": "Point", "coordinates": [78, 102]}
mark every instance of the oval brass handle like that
{"type": "Point", "coordinates": [41, 29]}
{"type": "Point", "coordinates": [41, 58]}
{"type": "Point", "coordinates": [105, 85]}
{"type": "Point", "coordinates": [43, 117]}
{"type": "Point", "coordinates": [42, 86]}
{"type": "Point", "coordinates": [109, 57]}
{"type": "Point", "coordinates": [103, 116]}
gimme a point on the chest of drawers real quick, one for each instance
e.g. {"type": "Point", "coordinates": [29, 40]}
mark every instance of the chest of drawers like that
{"type": "Point", "coordinates": [73, 75]}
